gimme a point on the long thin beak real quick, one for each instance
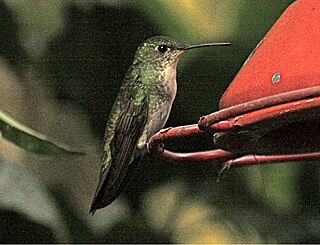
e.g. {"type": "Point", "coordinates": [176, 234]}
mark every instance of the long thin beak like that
{"type": "Point", "coordinates": [187, 47]}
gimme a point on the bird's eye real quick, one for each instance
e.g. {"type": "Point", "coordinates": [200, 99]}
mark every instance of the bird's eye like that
{"type": "Point", "coordinates": [162, 48]}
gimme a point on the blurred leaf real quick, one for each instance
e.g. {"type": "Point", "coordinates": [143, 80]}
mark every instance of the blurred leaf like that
{"type": "Point", "coordinates": [276, 185]}
{"type": "Point", "coordinates": [22, 193]}
{"type": "Point", "coordinates": [160, 204]}
{"type": "Point", "coordinates": [197, 222]}
{"type": "Point", "coordinates": [31, 140]}
{"type": "Point", "coordinates": [171, 210]}
{"type": "Point", "coordinates": [10, 46]}
{"type": "Point", "coordinates": [41, 19]}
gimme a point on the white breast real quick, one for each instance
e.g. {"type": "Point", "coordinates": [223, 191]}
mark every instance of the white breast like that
{"type": "Point", "coordinates": [160, 110]}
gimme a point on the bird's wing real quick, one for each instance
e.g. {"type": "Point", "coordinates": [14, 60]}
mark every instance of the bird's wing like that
{"type": "Point", "coordinates": [128, 129]}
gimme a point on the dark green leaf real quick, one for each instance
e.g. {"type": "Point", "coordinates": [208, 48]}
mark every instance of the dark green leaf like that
{"type": "Point", "coordinates": [31, 140]}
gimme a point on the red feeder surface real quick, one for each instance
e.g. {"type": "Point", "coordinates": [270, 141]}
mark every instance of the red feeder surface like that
{"type": "Point", "coordinates": [287, 59]}
{"type": "Point", "coordinates": [272, 108]}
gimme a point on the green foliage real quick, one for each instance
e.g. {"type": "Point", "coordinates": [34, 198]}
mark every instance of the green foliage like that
{"type": "Point", "coordinates": [31, 140]}
{"type": "Point", "coordinates": [21, 193]}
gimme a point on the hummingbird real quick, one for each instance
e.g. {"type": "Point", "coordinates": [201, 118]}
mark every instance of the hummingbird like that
{"type": "Point", "coordinates": [140, 110]}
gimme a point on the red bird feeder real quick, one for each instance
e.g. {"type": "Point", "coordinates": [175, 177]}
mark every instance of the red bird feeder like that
{"type": "Point", "coordinates": [271, 110]}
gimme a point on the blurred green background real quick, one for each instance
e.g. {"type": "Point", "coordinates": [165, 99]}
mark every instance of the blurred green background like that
{"type": "Point", "coordinates": [61, 66]}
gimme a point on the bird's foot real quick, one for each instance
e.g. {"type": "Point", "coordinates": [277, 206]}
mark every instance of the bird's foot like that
{"type": "Point", "coordinates": [164, 130]}
{"type": "Point", "coordinates": [224, 168]}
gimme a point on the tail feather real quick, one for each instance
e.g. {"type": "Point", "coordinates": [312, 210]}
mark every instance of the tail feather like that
{"type": "Point", "coordinates": [105, 196]}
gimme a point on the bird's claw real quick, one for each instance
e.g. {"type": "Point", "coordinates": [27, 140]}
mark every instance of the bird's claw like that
{"type": "Point", "coordinates": [164, 130]}
{"type": "Point", "coordinates": [225, 167]}
{"type": "Point", "coordinates": [160, 148]}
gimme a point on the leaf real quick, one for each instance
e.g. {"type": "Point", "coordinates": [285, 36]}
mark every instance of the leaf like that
{"type": "Point", "coordinates": [22, 193]}
{"type": "Point", "coordinates": [31, 140]}
{"type": "Point", "coordinates": [275, 185]}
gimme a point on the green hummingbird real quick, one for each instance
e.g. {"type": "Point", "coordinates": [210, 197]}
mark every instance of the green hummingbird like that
{"type": "Point", "coordinates": [141, 109]}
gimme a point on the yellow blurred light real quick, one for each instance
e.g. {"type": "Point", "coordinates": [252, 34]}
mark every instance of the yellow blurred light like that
{"type": "Point", "coordinates": [205, 18]}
